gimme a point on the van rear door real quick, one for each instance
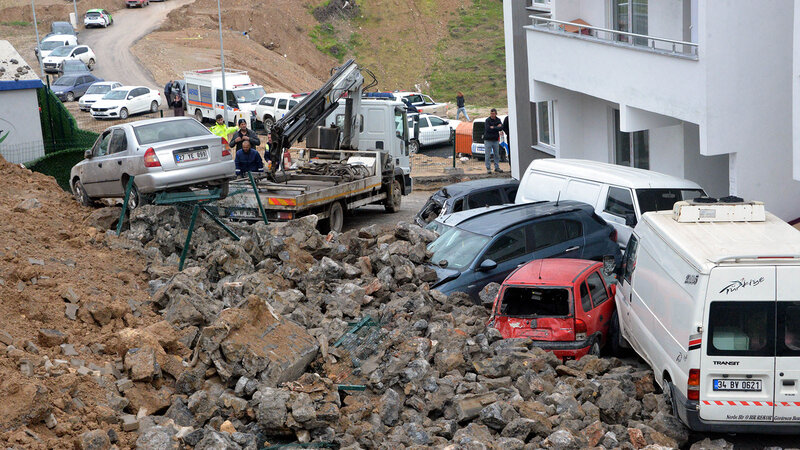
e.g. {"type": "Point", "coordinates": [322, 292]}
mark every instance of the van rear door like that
{"type": "Point", "coordinates": [787, 345]}
{"type": "Point", "coordinates": [737, 366]}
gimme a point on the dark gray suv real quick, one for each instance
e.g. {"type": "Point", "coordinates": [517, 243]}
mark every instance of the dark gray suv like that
{"type": "Point", "coordinates": [487, 244]}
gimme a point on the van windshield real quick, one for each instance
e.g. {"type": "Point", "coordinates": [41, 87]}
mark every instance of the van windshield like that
{"type": "Point", "coordinates": [535, 302]}
{"type": "Point", "coordinates": [664, 199]}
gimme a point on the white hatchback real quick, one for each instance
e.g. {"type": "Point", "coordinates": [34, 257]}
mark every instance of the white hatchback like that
{"type": "Point", "coordinates": [123, 101]}
{"type": "Point", "coordinates": [78, 52]}
{"type": "Point", "coordinates": [96, 92]}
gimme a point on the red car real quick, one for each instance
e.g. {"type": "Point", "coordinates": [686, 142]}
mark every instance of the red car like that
{"type": "Point", "coordinates": [135, 3]}
{"type": "Point", "coordinates": [564, 305]}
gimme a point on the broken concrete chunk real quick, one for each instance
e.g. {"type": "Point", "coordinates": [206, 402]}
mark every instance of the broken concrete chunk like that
{"type": "Point", "coordinates": [141, 364]}
{"type": "Point", "coordinates": [6, 338]}
{"type": "Point", "coordinates": [71, 311]}
{"type": "Point", "coordinates": [27, 205]}
{"type": "Point", "coordinates": [68, 350]}
{"type": "Point", "coordinates": [51, 338]}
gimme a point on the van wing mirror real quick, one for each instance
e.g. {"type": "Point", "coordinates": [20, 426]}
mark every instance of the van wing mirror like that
{"type": "Point", "coordinates": [487, 265]}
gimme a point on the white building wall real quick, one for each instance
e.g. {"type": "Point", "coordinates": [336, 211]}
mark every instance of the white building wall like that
{"type": "Point", "coordinates": [796, 93]}
{"type": "Point", "coordinates": [665, 19]}
{"type": "Point", "coordinates": [19, 118]}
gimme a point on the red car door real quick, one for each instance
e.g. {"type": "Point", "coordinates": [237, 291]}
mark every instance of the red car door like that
{"type": "Point", "coordinates": [602, 305]}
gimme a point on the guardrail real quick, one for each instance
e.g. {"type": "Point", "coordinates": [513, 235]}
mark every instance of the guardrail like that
{"type": "Point", "coordinates": [666, 46]}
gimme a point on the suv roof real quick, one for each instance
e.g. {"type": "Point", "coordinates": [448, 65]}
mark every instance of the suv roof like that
{"type": "Point", "coordinates": [611, 173]}
{"type": "Point", "coordinates": [492, 220]}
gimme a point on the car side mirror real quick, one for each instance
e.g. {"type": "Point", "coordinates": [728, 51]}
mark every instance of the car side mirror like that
{"type": "Point", "coordinates": [87, 154]}
{"type": "Point", "coordinates": [130, 97]}
{"type": "Point", "coordinates": [487, 265]}
{"type": "Point", "coordinates": [613, 290]}
{"type": "Point", "coordinates": [630, 219]}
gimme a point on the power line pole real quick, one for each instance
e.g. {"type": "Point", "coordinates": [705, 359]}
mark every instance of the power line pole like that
{"type": "Point", "coordinates": [38, 42]}
{"type": "Point", "coordinates": [75, 8]}
{"type": "Point", "coordinates": [222, 58]}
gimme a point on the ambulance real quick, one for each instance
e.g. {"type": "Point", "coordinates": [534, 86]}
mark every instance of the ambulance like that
{"type": "Point", "coordinates": [709, 297]}
{"type": "Point", "coordinates": [205, 98]}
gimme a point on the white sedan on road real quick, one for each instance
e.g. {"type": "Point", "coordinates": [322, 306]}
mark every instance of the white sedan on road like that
{"type": "Point", "coordinates": [60, 54]}
{"type": "Point", "coordinates": [123, 101]}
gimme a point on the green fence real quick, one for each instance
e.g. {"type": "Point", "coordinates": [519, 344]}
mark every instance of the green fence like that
{"type": "Point", "coordinates": [58, 165]}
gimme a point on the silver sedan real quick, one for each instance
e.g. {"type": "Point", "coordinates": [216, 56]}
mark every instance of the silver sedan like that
{"type": "Point", "coordinates": [161, 155]}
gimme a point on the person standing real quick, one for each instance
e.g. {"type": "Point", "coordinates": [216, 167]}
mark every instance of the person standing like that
{"type": "Point", "coordinates": [178, 105]}
{"type": "Point", "coordinates": [273, 152]}
{"type": "Point", "coordinates": [507, 146]}
{"type": "Point", "coordinates": [248, 160]}
{"type": "Point", "coordinates": [491, 140]}
{"type": "Point", "coordinates": [244, 134]}
{"type": "Point", "coordinates": [222, 130]}
{"type": "Point", "coordinates": [461, 108]}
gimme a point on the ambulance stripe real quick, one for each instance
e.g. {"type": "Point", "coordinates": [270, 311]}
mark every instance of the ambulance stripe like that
{"type": "Point", "coordinates": [695, 341]}
{"type": "Point", "coordinates": [750, 403]}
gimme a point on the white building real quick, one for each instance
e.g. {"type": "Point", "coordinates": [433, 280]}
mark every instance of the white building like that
{"type": "Point", "coordinates": [20, 125]}
{"type": "Point", "coordinates": [703, 90]}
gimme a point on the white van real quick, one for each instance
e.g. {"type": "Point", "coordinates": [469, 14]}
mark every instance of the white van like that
{"type": "Point", "coordinates": [619, 194]}
{"type": "Point", "coordinates": [709, 297]}
{"type": "Point", "coordinates": [205, 98]}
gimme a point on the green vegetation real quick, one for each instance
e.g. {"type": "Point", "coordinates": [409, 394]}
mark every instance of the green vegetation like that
{"type": "Point", "coordinates": [58, 165]}
{"type": "Point", "coordinates": [17, 23]}
{"type": "Point", "coordinates": [472, 57]}
{"type": "Point", "coordinates": [327, 40]}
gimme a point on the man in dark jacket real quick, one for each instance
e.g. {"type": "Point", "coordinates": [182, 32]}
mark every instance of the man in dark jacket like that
{"type": "Point", "coordinates": [168, 93]}
{"type": "Point", "coordinates": [244, 134]}
{"type": "Point", "coordinates": [507, 156]}
{"type": "Point", "coordinates": [248, 160]}
{"type": "Point", "coordinates": [491, 140]}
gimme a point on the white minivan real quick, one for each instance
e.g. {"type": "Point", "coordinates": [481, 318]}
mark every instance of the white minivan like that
{"type": "Point", "coordinates": [709, 297]}
{"type": "Point", "coordinates": [619, 194]}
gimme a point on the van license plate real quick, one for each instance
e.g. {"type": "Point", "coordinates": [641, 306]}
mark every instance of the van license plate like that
{"type": "Point", "coordinates": [191, 156]}
{"type": "Point", "coordinates": [737, 385]}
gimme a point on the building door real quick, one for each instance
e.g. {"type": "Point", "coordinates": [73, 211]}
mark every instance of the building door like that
{"type": "Point", "coordinates": [631, 149]}
{"type": "Point", "coordinates": [630, 16]}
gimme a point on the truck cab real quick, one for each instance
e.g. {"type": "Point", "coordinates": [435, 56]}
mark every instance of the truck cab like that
{"type": "Point", "coordinates": [383, 127]}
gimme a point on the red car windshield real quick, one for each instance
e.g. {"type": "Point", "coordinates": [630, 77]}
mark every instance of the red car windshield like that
{"type": "Point", "coordinates": [536, 301]}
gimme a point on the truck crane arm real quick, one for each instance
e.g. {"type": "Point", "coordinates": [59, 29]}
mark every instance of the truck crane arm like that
{"type": "Point", "coordinates": [346, 82]}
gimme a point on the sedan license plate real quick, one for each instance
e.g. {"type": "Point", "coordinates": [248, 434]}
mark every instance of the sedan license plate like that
{"type": "Point", "coordinates": [737, 385]}
{"type": "Point", "coordinates": [191, 156]}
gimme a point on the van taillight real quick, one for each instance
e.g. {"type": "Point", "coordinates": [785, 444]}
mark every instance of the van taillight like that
{"type": "Point", "coordinates": [150, 158]}
{"type": "Point", "coordinates": [613, 235]}
{"type": "Point", "coordinates": [693, 389]}
{"type": "Point", "coordinates": [580, 329]}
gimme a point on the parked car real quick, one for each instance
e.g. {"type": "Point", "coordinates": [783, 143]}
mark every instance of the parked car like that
{"type": "Point", "coordinates": [422, 102]}
{"type": "Point", "coordinates": [272, 107]}
{"type": "Point", "coordinates": [619, 194]}
{"type": "Point", "coordinates": [123, 101]}
{"type": "Point", "coordinates": [72, 67]}
{"type": "Point", "coordinates": [136, 3]}
{"type": "Point", "coordinates": [160, 154]}
{"type": "Point", "coordinates": [563, 305]}
{"type": "Point", "coordinates": [478, 128]}
{"type": "Point", "coordinates": [79, 52]}
{"type": "Point", "coordinates": [433, 130]}
{"type": "Point", "coordinates": [53, 42]}
{"type": "Point", "coordinates": [61, 28]}
{"type": "Point", "coordinates": [70, 87]}
{"type": "Point", "coordinates": [97, 18]}
{"type": "Point", "coordinates": [708, 298]}
{"type": "Point", "coordinates": [95, 92]}
{"type": "Point", "coordinates": [467, 195]}
{"type": "Point", "coordinates": [484, 245]}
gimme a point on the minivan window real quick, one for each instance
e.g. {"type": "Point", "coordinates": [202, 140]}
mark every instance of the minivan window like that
{"type": "Point", "coordinates": [619, 202]}
{"type": "Point", "coordinates": [486, 198]}
{"type": "Point", "coordinates": [741, 329]}
{"type": "Point", "coordinates": [664, 199]}
{"type": "Point", "coordinates": [788, 329]}
{"type": "Point", "coordinates": [535, 302]}
{"type": "Point", "coordinates": [508, 246]}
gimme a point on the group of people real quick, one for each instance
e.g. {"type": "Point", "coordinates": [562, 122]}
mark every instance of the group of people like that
{"type": "Point", "coordinates": [245, 141]}
{"type": "Point", "coordinates": [493, 129]}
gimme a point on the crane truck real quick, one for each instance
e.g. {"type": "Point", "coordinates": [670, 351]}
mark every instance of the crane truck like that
{"type": "Point", "coordinates": [357, 153]}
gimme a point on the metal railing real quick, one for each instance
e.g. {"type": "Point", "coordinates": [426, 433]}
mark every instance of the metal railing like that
{"type": "Point", "coordinates": [665, 46]}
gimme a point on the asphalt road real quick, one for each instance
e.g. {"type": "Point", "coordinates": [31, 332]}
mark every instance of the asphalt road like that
{"type": "Point", "coordinates": [376, 214]}
{"type": "Point", "coordinates": [112, 45]}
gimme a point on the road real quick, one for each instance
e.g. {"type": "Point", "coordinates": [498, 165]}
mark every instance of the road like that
{"type": "Point", "coordinates": [112, 45]}
{"type": "Point", "coordinates": [376, 214]}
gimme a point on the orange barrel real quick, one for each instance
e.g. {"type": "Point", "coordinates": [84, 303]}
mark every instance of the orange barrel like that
{"type": "Point", "coordinates": [464, 138]}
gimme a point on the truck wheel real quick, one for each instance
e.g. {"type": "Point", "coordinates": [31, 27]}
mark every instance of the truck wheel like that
{"type": "Point", "coordinates": [198, 115]}
{"type": "Point", "coordinates": [336, 217]}
{"type": "Point", "coordinates": [268, 123]}
{"type": "Point", "coordinates": [395, 197]}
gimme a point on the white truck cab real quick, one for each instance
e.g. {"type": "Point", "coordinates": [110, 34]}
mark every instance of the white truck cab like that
{"type": "Point", "coordinates": [709, 297]}
{"type": "Point", "coordinates": [205, 98]}
{"type": "Point", "coordinates": [272, 107]}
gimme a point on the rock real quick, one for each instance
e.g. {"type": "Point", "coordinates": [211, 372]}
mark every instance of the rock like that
{"type": "Point", "coordinates": [637, 438]}
{"type": "Point", "coordinates": [416, 434]}
{"type": "Point", "coordinates": [68, 350]}
{"type": "Point", "coordinates": [227, 427]}
{"type": "Point", "coordinates": [70, 311]}
{"type": "Point", "coordinates": [95, 440]}
{"type": "Point", "coordinates": [100, 312]}
{"type": "Point", "coordinates": [563, 439]}
{"type": "Point", "coordinates": [129, 422]}
{"type": "Point", "coordinates": [157, 438]}
{"type": "Point", "coordinates": [473, 434]}
{"type": "Point", "coordinates": [51, 338]}
{"type": "Point", "coordinates": [103, 218]}
{"type": "Point", "coordinates": [469, 407]}
{"type": "Point", "coordinates": [520, 428]}
{"type": "Point", "coordinates": [498, 415]}
{"type": "Point", "coordinates": [217, 441]}
{"type": "Point", "coordinates": [670, 426]}
{"type": "Point", "coordinates": [488, 293]}
{"type": "Point", "coordinates": [180, 414]}
{"type": "Point", "coordinates": [6, 338]}
{"type": "Point", "coordinates": [271, 412]}
{"type": "Point", "coordinates": [303, 408]}
{"type": "Point", "coordinates": [202, 406]}
{"type": "Point", "coordinates": [611, 405]}
{"type": "Point", "coordinates": [389, 408]}
{"type": "Point", "coordinates": [610, 440]}
{"type": "Point", "coordinates": [27, 205]}
{"type": "Point", "coordinates": [509, 443]}
{"type": "Point", "coordinates": [142, 397]}
{"type": "Point", "coordinates": [123, 384]}
{"type": "Point", "coordinates": [141, 364]}
{"type": "Point", "coordinates": [594, 433]}
{"type": "Point", "coordinates": [708, 444]}
{"type": "Point", "coordinates": [50, 421]}
{"type": "Point", "coordinates": [194, 437]}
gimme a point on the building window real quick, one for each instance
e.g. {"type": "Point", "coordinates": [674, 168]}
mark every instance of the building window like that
{"type": "Point", "coordinates": [545, 123]}
{"type": "Point", "coordinates": [631, 149]}
{"type": "Point", "coordinates": [630, 16]}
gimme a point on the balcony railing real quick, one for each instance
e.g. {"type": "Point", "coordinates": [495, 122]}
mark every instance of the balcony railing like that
{"type": "Point", "coordinates": [620, 38]}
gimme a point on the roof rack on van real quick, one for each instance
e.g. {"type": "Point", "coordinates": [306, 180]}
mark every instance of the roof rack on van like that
{"type": "Point", "coordinates": [737, 258]}
{"type": "Point", "coordinates": [711, 210]}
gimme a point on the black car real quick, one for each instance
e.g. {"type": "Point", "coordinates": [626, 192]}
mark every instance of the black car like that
{"type": "Point", "coordinates": [467, 195]}
{"type": "Point", "coordinates": [61, 28]}
{"type": "Point", "coordinates": [485, 245]}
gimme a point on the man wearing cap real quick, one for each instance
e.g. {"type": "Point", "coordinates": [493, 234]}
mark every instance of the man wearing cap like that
{"type": "Point", "coordinates": [244, 134]}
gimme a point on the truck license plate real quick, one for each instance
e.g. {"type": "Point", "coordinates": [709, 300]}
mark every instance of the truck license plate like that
{"type": "Point", "coordinates": [191, 156]}
{"type": "Point", "coordinates": [243, 214]}
{"type": "Point", "coordinates": [737, 385]}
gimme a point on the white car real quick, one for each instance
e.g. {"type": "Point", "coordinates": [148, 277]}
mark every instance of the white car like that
{"type": "Point", "coordinates": [78, 52]}
{"type": "Point", "coordinates": [422, 102]}
{"type": "Point", "coordinates": [97, 18]}
{"type": "Point", "coordinates": [272, 107]}
{"type": "Point", "coordinates": [123, 101]}
{"type": "Point", "coordinates": [433, 130]}
{"type": "Point", "coordinates": [96, 92]}
{"type": "Point", "coordinates": [51, 43]}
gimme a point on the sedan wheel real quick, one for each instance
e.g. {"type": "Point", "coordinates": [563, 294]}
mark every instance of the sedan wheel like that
{"type": "Point", "coordinates": [70, 97]}
{"type": "Point", "coordinates": [153, 106]}
{"type": "Point", "coordinates": [80, 194]}
{"type": "Point", "coordinates": [123, 113]}
{"type": "Point", "coordinates": [595, 350]}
